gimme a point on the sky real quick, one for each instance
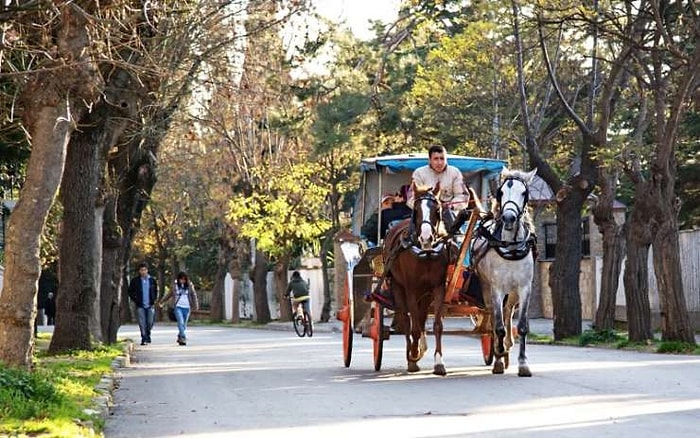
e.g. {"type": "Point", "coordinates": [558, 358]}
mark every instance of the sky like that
{"type": "Point", "coordinates": [357, 13]}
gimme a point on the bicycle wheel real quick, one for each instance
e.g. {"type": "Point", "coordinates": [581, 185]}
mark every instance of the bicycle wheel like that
{"type": "Point", "coordinates": [308, 324]}
{"type": "Point", "coordinates": [299, 326]}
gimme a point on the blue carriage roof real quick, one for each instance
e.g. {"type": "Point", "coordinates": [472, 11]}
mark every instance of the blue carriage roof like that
{"type": "Point", "coordinates": [410, 162]}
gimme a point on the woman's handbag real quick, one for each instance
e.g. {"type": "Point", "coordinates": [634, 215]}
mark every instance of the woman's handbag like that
{"type": "Point", "coordinates": [171, 314]}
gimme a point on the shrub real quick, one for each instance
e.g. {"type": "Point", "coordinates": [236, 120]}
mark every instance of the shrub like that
{"type": "Point", "coordinates": [25, 395]}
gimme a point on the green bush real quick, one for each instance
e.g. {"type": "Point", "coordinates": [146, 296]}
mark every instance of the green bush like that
{"type": "Point", "coordinates": [676, 347]}
{"type": "Point", "coordinates": [591, 337]}
{"type": "Point", "coordinates": [25, 395]}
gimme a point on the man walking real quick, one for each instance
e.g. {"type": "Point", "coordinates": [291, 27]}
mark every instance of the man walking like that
{"type": "Point", "coordinates": [143, 291]}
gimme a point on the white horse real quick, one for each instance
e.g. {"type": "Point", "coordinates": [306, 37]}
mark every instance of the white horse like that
{"type": "Point", "coordinates": [502, 252]}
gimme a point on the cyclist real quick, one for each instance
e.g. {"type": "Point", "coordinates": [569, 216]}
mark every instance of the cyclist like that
{"type": "Point", "coordinates": [300, 289]}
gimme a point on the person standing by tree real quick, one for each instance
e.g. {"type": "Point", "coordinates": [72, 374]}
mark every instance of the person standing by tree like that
{"type": "Point", "coordinates": [185, 300]}
{"type": "Point", "coordinates": [50, 309]}
{"type": "Point", "coordinates": [143, 291]}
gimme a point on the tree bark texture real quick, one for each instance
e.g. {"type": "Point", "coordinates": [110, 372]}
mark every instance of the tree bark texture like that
{"type": "Point", "coordinates": [565, 270]}
{"type": "Point", "coordinates": [636, 276]}
{"type": "Point", "coordinates": [77, 289]}
{"type": "Point", "coordinates": [675, 321]}
{"type": "Point", "coordinates": [52, 100]}
{"type": "Point", "coordinates": [281, 276]}
{"type": "Point", "coordinates": [613, 254]}
{"type": "Point", "coordinates": [259, 277]}
{"type": "Point", "coordinates": [613, 251]}
{"type": "Point", "coordinates": [50, 132]}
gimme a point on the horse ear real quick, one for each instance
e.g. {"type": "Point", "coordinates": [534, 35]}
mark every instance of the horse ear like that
{"type": "Point", "coordinates": [436, 189]}
{"type": "Point", "coordinates": [530, 175]}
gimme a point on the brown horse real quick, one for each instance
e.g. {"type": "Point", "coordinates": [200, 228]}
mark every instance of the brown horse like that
{"type": "Point", "coordinates": [416, 257]}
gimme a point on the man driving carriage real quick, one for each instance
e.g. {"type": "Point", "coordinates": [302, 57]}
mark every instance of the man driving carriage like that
{"type": "Point", "coordinates": [453, 192]}
{"type": "Point", "coordinates": [454, 197]}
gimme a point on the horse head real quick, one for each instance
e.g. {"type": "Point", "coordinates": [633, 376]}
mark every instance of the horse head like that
{"type": "Point", "coordinates": [512, 196]}
{"type": "Point", "coordinates": [426, 215]}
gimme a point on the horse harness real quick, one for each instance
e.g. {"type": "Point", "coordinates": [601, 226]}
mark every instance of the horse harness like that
{"type": "Point", "coordinates": [509, 250]}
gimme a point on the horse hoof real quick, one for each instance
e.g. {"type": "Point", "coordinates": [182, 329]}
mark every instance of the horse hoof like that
{"type": "Point", "coordinates": [497, 368]}
{"type": "Point", "coordinates": [413, 367]}
{"type": "Point", "coordinates": [524, 372]}
{"type": "Point", "coordinates": [439, 370]}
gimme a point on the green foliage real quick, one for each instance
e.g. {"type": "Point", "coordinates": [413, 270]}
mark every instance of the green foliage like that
{"type": "Point", "coordinates": [51, 400]}
{"type": "Point", "coordinates": [676, 347]}
{"type": "Point", "coordinates": [25, 395]}
{"type": "Point", "coordinates": [286, 213]}
{"type": "Point", "coordinates": [592, 337]}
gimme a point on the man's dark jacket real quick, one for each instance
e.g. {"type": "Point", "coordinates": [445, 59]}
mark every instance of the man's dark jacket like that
{"type": "Point", "coordinates": [136, 294]}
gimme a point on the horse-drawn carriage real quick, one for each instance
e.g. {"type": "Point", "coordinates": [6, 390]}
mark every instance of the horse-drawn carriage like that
{"type": "Point", "coordinates": [431, 279]}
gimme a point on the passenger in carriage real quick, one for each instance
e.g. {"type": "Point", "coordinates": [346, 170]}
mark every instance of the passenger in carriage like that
{"type": "Point", "coordinates": [393, 210]}
{"type": "Point", "coordinates": [370, 227]}
{"type": "Point", "coordinates": [454, 194]}
{"type": "Point", "coordinates": [397, 212]}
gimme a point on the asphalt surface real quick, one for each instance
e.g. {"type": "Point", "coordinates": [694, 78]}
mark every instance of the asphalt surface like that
{"type": "Point", "coordinates": [234, 382]}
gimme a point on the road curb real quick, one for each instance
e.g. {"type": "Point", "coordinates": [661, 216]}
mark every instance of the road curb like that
{"type": "Point", "coordinates": [102, 402]}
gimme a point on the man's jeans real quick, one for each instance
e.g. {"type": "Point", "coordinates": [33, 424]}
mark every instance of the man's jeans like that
{"type": "Point", "coordinates": [182, 314]}
{"type": "Point", "coordinates": [146, 317]}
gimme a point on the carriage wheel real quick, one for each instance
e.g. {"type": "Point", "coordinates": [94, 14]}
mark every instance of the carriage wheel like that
{"type": "Point", "coordinates": [487, 348]}
{"type": "Point", "coordinates": [345, 315]}
{"type": "Point", "coordinates": [377, 334]}
{"type": "Point", "coordinates": [299, 326]}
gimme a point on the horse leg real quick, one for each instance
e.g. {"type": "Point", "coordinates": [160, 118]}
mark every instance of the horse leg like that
{"type": "Point", "coordinates": [414, 337]}
{"type": "Point", "coordinates": [508, 321]}
{"type": "Point", "coordinates": [523, 330]}
{"type": "Point", "coordinates": [423, 341]}
{"type": "Point", "coordinates": [439, 366]}
{"type": "Point", "coordinates": [499, 333]}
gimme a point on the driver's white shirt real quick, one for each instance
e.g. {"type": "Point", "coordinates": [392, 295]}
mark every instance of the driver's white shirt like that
{"type": "Point", "coordinates": [452, 188]}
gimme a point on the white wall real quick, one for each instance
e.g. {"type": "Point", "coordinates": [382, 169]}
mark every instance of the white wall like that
{"type": "Point", "coordinates": [247, 310]}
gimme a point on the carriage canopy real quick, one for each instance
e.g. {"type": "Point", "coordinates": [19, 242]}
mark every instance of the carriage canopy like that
{"type": "Point", "coordinates": [386, 174]}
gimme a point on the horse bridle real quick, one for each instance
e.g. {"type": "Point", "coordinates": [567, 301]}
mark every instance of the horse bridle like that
{"type": "Point", "coordinates": [518, 209]}
{"type": "Point", "coordinates": [430, 197]}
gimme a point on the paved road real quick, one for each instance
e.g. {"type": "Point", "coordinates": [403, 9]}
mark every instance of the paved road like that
{"type": "Point", "coordinates": [269, 383]}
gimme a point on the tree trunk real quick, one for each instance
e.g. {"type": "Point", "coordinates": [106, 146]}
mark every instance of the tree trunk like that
{"type": "Point", "coordinates": [613, 254]}
{"type": "Point", "coordinates": [327, 300]}
{"type": "Point", "coordinates": [613, 251]}
{"type": "Point", "coordinates": [217, 304]}
{"type": "Point", "coordinates": [281, 276]}
{"type": "Point", "coordinates": [49, 132]}
{"type": "Point", "coordinates": [236, 309]}
{"type": "Point", "coordinates": [237, 266]}
{"type": "Point", "coordinates": [637, 278]}
{"type": "Point", "coordinates": [675, 322]}
{"type": "Point", "coordinates": [53, 100]}
{"type": "Point", "coordinates": [77, 289]}
{"type": "Point", "coordinates": [564, 272]}
{"type": "Point", "coordinates": [111, 281]}
{"type": "Point", "coordinates": [259, 278]}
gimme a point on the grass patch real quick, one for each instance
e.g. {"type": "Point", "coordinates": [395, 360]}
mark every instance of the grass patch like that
{"type": "Point", "coordinates": [51, 400]}
{"type": "Point", "coordinates": [597, 337]}
{"type": "Point", "coordinates": [675, 347]}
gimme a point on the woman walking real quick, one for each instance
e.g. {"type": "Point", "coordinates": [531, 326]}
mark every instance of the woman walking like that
{"type": "Point", "coordinates": [183, 298]}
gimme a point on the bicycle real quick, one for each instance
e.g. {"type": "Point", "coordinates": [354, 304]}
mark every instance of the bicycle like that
{"type": "Point", "coordinates": [301, 319]}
